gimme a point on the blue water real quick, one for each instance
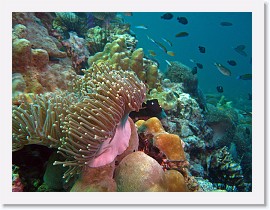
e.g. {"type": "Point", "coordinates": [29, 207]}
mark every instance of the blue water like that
{"type": "Point", "coordinates": [204, 30]}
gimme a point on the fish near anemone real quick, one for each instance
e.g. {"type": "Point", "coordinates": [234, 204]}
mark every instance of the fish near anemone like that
{"type": "Point", "coordinates": [83, 129]}
{"type": "Point", "coordinates": [150, 108]}
{"type": "Point", "coordinates": [225, 71]}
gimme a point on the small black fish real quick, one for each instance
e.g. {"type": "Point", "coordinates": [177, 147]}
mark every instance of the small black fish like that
{"type": "Point", "coordinates": [220, 89]}
{"type": "Point", "coordinates": [247, 131]}
{"type": "Point", "coordinates": [167, 16]}
{"type": "Point", "coordinates": [149, 109]}
{"type": "Point", "coordinates": [245, 77]}
{"type": "Point", "coordinates": [232, 62]}
{"type": "Point", "coordinates": [202, 49]}
{"type": "Point", "coordinates": [182, 20]}
{"type": "Point", "coordinates": [199, 65]}
{"type": "Point", "coordinates": [249, 96]}
{"type": "Point", "coordinates": [226, 24]}
{"type": "Point", "coordinates": [240, 49]}
{"type": "Point", "coordinates": [194, 70]}
{"type": "Point", "coordinates": [182, 34]}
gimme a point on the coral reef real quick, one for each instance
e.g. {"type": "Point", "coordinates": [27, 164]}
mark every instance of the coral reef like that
{"type": "Point", "coordinates": [223, 169]}
{"type": "Point", "coordinates": [18, 85]}
{"type": "Point", "coordinates": [66, 22]}
{"type": "Point", "coordinates": [180, 73]}
{"type": "Point", "coordinates": [243, 146]}
{"type": "Point", "coordinates": [37, 57]}
{"type": "Point", "coordinates": [167, 150]}
{"type": "Point", "coordinates": [168, 96]}
{"type": "Point", "coordinates": [121, 53]}
{"type": "Point", "coordinates": [96, 179]}
{"type": "Point", "coordinates": [75, 79]}
{"type": "Point", "coordinates": [96, 39]}
{"type": "Point", "coordinates": [116, 53]}
{"type": "Point", "coordinates": [205, 185]}
{"type": "Point", "coordinates": [158, 143]}
{"type": "Point", "coordinates": [185, 117]}
{"type": "Point", "coordinates": [77, 50]}
{"type": "Point", "coordinates": [222, 123]}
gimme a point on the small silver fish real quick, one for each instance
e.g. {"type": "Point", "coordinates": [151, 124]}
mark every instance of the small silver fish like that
{"type": "Point", "coordinates": [168, 62]}
{"type": "Point", "coordinates": [225, 71]}
{"type": "Point", "coordinates": [152, 40]}
{"type": "Point", "coordinates": [167, 41]}
{"type": "Point", "coordinates": [141, 27]}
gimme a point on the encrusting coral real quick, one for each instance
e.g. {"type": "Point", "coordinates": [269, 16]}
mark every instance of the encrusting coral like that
{"type": "Point", "coordinates": [82, 127]}
{"type": "Point", "coordinates": [121, 53]}
{"type": "Point", "coordinates": [77, 51]}
{"type": "Point", "coordinates": [167, 150]}
{"type": "Point", "coordinates": [169, 144]}
{"type": "Point", "coordinates": [37, 55]}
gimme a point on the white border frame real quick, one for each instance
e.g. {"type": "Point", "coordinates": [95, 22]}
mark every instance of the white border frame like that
{"type": "Point", "coordinates": [257, 195]}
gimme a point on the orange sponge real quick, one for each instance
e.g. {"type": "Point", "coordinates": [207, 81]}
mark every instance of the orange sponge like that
{"type": "Point", "coordinates": [169, 144]}
{"type": "Point", "coordinates": [175, 181]}
{"type": "Point", "coordinates": [152, 126]}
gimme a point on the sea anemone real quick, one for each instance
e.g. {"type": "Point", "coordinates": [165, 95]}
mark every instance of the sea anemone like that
{"type": "Point", "coordinates": [82, 127]}
{"type": "Point", "coordinates": [39, 121]}
{"type": "Point", "coordinates": [110, 95]}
